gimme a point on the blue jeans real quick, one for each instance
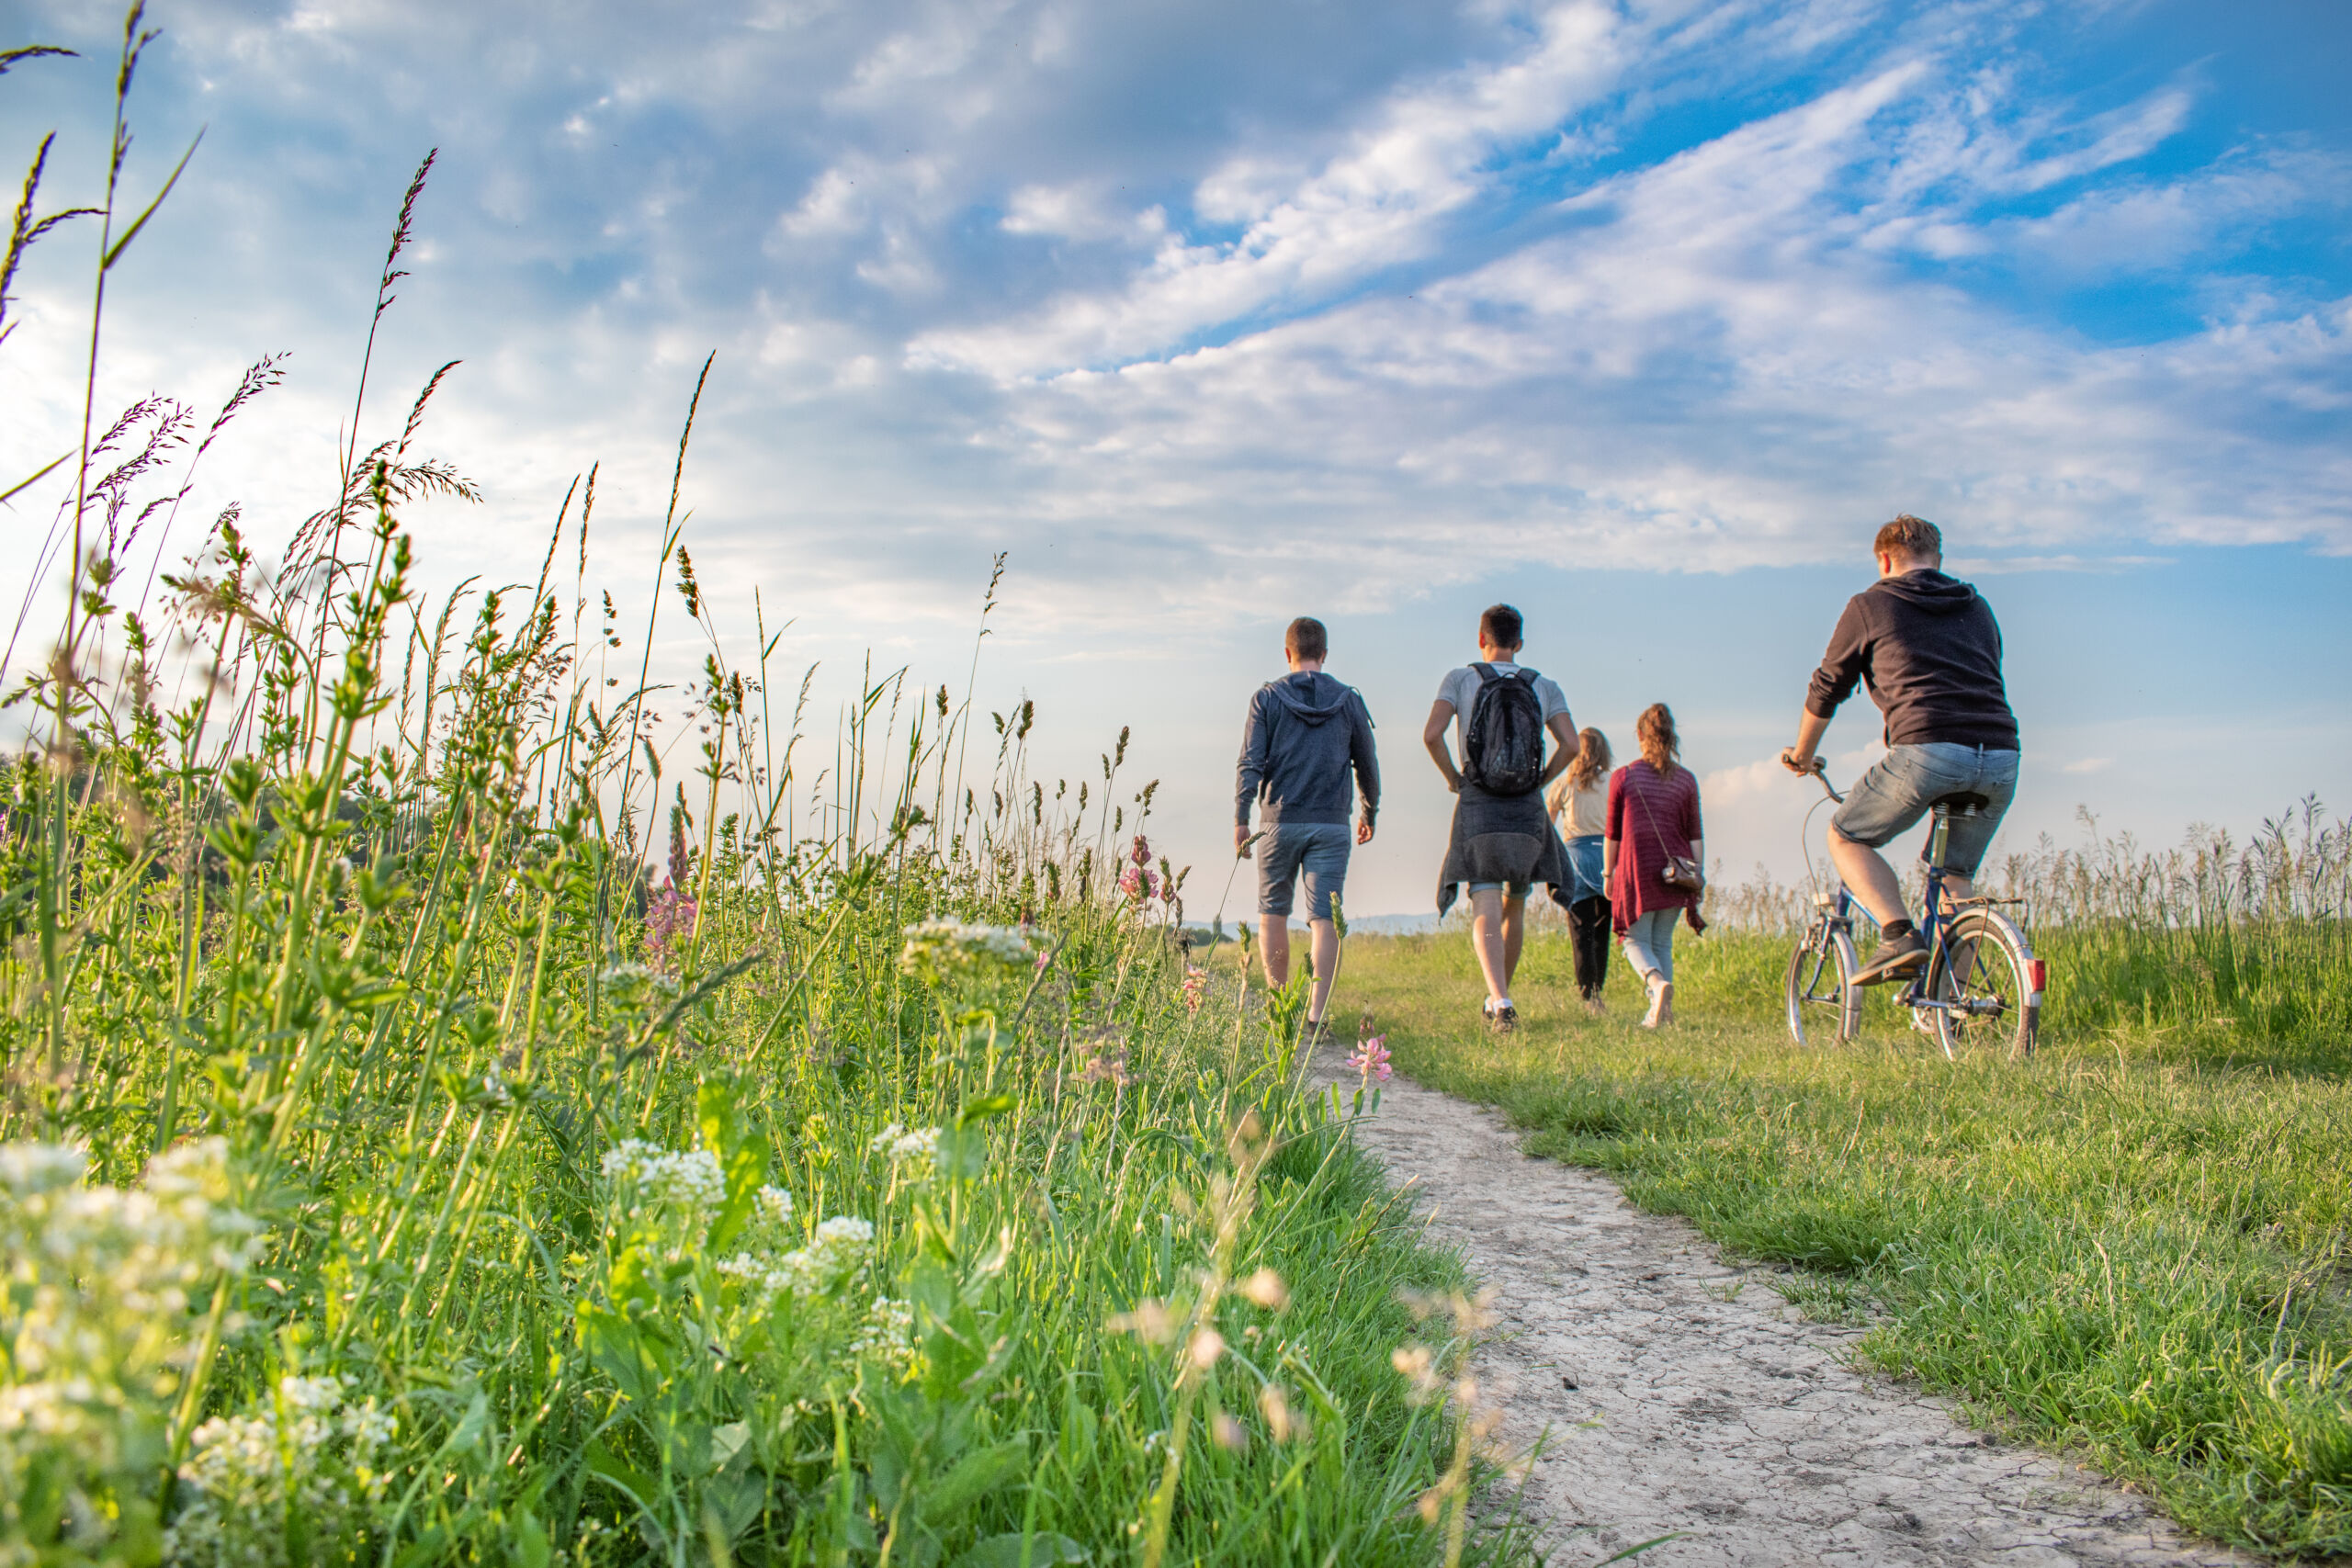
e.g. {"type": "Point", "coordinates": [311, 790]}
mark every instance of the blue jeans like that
{"type": "Point", "coordinates": [1584, 864]}
{"type": "Point", "coordinates": [1649, 944]}
{"type": "Point", "coordinates": [1908, 780]}
{"type": "Point", "coordinates": [1316, 849]}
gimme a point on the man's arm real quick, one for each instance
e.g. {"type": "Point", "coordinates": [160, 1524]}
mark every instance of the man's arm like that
{"type": "Point", "coordinates": [1564, 746]}
{"type": "Point", "coordinates": [1250, 770]}
{"type": "Point", "coordinates": [1841, 669]}
{"type": "Point", "coordinates": [1803, 756]}
{"type": "Point", "coordinates": [1433, 737]}
{"type": "Point", "coordinates": [1366, 761]}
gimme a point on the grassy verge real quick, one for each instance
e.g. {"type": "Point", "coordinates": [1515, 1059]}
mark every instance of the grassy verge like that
{"type": "Point", "coordinates": [399, 1166]}
{"type": "Point", "coordinates": [2134, 1246]}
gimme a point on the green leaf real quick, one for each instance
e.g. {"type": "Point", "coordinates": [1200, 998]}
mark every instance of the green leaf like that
{"type": "Point", "coordinates": [531, 1546]}
{"type": "Point", "coordinates": [973, 1477]}
{"type": "Point", "coordinates": [981, 1110]}
{"type": "Point", "coordinates": [610, 1467]}
{"type": "Point", "coordinates": [1015, 1551]}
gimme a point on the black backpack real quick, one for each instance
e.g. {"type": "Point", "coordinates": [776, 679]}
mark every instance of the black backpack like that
{"type": "Point", "coordinates": [1502, 753]}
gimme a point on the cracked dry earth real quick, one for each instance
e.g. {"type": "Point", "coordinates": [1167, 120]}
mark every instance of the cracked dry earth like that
{"type": "Point", "coordinates": [1672, 1391]}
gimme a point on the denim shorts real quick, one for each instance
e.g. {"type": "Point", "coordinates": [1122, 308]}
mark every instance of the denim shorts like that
{"type": "Point", "coordinates": [1908, 780]}
{"type": "Point", "coordinates": [1507, 889]}
{"type": "Point", "coordinates": [1319, 850]}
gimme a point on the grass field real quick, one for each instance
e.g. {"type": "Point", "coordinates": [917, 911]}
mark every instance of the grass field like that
{"type": "Point", "coordinates": [2134, 1246]}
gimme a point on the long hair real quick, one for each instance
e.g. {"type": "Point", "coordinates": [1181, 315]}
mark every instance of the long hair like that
{"type": "Point", "coordinates": [1593, 760]}
{"type": "Point", "coordinates": [1655, 731]}
{"type": "Point", "coordinates": [1590, 767]}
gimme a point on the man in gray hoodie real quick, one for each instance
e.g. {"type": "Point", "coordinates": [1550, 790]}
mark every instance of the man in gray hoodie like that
{"type": "Point", "coordinates": [1306, 734]}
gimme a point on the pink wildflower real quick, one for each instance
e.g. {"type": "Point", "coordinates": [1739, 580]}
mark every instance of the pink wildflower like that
{"type": "Point", "coordinates": [1141, 853]}
{"type": "Point", "coordinates": [1371, 1059]}
{"type": "Point", "coordinates": [1196, 986]}
{"type": "Point", "coordinates": [669, 924]}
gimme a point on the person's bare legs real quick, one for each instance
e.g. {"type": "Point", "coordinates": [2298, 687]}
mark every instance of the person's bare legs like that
{"type": "Point", "coordinates": [1324, 946]}
{"type": "Point", "coordinates": [1514, 935]}
{"type": "Point", "coordinates": [1273, 949]}
{"type": "Point", "coordinates": [1492, 938]}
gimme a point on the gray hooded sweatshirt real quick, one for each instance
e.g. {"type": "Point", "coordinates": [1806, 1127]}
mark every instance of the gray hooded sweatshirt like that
{"type": "Point", "coordinates": [1304, 734]}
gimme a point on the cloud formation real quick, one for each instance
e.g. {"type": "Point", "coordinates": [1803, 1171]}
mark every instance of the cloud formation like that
{"type": "Point", "coordinates": [1190, 305]}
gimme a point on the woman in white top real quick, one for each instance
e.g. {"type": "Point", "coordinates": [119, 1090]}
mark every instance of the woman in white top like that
{"type": "Point", "coordinates": [1579, 804]}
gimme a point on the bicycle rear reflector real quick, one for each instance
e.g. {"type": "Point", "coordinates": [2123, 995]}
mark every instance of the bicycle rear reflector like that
{"type": "Point", "coordinates": [2033, 974]}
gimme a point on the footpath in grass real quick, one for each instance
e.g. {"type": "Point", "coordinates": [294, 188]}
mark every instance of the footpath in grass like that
{"type": "Point", "coordinates": [2134, 1246]}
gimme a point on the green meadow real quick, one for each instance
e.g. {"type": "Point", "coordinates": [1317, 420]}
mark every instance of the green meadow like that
{"type": "Point", "coordinates": [2132, 1246]}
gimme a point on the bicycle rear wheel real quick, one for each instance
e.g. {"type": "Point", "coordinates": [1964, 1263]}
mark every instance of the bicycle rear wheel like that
{"type": "Point", "coordinates": [1822, 1000]}
{"type": "Point", "coordinates": [1986, 970]}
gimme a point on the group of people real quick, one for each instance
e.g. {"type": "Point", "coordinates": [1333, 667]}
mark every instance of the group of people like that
{"type": "Point", "coordinates": [1623, 849]}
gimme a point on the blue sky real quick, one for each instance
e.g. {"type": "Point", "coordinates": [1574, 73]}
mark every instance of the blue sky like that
{"type": "Point", "coordinates": [1642, 316]}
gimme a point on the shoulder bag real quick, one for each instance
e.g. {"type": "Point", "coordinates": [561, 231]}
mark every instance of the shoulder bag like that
{"type": "Point", "coordinates": [1680, 872]}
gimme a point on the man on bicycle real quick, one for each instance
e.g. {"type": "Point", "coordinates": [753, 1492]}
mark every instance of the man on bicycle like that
{"type": "Point", "coordinates": [1930, 651]}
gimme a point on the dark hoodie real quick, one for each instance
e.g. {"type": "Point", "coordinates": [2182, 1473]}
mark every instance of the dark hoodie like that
{"type": "Point", "coordinates": [1303, 733]}
{"type": "Point", "coordinates": [1931, 652]}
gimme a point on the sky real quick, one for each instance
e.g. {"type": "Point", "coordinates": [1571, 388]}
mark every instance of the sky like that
{"type": "Point", "coordinates": [1639, 316]}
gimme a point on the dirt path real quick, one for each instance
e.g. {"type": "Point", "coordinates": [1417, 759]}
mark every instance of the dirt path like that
{"type": "Point", "coordinates": [1681, 1393]}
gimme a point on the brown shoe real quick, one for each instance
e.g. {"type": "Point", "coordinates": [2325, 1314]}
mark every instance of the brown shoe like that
{"type": "Point", "coordinates": [1502, 1020]}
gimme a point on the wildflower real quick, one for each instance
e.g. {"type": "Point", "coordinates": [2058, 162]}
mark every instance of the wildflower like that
{"type": "Point", "coordinates": [889, 1335]}
{"type": "Point", "coordinates": [308, 1454]}
{"type": "Point", "coordinates": [1228, 1432]}
{"type": "Point", "coordinates": [1141, 853]}
{"type": "Point", "coordinates": [904, 1147]}
{"type": "Point", "coordinates": [1265, 1288]}
{"type": "Point", "coordinates": [1139, 882]}
{"type": "Point", "coordinates": [1195, 986]}
{"type": "Point", "coordinates": [1274, 1405]}
{"type": "Point", "coordinates": [689, 1178]}
{"type": "Point", "coordinates": [27, 1168]}
{"type": "Point", "coordinates": [669, 924]}
{"type": "Point", "coordinates": [1108, 1066]}
{"type": "Point", "coordinates": [1371, 1059]}
{"type": "Point", "coordinates": [942, 950]}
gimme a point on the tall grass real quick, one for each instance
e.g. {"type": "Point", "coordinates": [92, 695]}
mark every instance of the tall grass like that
{"type": "Point", "coordinates": [2213, 941]}
{"type": "Point", "coordinates": [438, 1129]}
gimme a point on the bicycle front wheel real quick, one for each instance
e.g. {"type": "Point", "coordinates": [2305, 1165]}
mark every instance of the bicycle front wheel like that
{"type": "Point", "coordinates": [1823, 1003]}
{"type": "Point", "coordinates": [1985, 972]}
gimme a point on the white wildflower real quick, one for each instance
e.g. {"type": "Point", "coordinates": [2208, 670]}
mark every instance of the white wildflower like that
{"type": "Point", "coordinates": [889, 1335]}
{"type": "Point", "coordinates": [831, 1256]}
{"type": "Point", "coordinates": [306, 1455]}
{"type": "Point", "coordinates": [690, 1178]}
{"type": "Point", "coordinates": [775, 1205]}
{"type": "Point", "coordinates": [903, 1146]}
{"type": "Point", "coordinates": [27, 1168]}
{"type": "Point", "coordinates": [937, 949]}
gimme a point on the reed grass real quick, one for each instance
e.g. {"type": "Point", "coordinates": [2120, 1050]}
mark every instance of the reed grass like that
{"type": "Point", "coordinates": [428, 1139]}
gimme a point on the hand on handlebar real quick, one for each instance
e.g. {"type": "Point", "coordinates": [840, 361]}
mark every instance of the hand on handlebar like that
{"type": "Point", "coordinates": [1802, 765]}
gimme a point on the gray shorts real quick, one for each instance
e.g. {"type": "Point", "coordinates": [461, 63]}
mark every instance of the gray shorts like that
{"type": "Point", "coordinates": [1905, 782]}
{"type": "Point", "coordinates": [1317, 850]}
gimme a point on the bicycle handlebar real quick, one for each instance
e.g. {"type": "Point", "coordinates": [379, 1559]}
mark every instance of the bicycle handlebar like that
{"type": "Point", "coordinates": [1820, 773]}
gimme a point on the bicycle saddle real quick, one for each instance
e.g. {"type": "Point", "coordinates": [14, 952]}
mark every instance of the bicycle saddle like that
{"type": "Point", "coordinates": [1966, 803]}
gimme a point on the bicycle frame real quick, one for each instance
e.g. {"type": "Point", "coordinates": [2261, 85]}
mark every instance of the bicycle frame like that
{"type": "Point", "coordinates": [1934, 923]}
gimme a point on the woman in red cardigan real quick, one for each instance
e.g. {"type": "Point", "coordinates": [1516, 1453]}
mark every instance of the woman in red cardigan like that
{"type": "Point", "coordinates": [1652, 815]}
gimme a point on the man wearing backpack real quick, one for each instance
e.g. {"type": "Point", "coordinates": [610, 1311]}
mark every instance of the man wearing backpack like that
{"type": "Point", "coordinates": [1305, 735]}
{"type": "Point", "coordinates": [1503, 840]}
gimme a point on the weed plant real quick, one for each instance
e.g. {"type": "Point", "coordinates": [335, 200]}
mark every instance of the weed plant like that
{"type": "Point", "coordinates": [397, 1166]}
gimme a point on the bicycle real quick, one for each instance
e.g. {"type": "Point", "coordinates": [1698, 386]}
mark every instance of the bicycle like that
{"type": "Point", "coordinates": [1980, 987]}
